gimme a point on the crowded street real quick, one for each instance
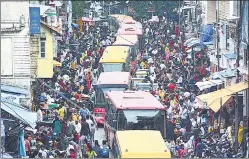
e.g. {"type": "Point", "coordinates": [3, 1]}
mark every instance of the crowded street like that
{"type": "Point", "coordinates": [125, 79]}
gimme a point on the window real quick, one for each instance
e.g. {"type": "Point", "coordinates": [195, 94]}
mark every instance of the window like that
{"type": "Point", "coordinates": [42, 51]}
{"type": "Point", "coordinates": [246, 57]}
{"type": "Point", "coordinates": [236, 8]}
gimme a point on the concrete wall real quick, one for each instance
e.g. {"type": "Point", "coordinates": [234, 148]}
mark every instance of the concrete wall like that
{"type": "Point", "coordinates": [15, 49]}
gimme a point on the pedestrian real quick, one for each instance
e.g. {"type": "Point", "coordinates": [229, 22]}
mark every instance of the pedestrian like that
{"type": "Point", "coordinates": [91, 153]}
{"type": "Point", "coordinates": [104, 152]}
{"type": "Point", "coordinates": [85, 129]}
{"type": "Point", "coordinates": [97, 148]}
{"type": "Point", "coordinates": [45, 139]}
{"type": "Point", "coordinates": [57, 127]}
{"type": "Point", "coordinates": [27, 145]}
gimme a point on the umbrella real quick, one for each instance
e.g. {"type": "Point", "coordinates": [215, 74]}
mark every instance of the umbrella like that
{"type": "Point", "coordinates": [66, 77]}
{"type": "Point", "coordinates": [51, 106]}
{"type": "Point", "coordinates": [186, 94]}
{"type": "Point", "coordinates": [171, 87]}
{"type": "Point", "coordinates": [189, 40]}
{"type": "Point", "coordinates": [85, 19]}
{"type": "Point", "coordinates": [193, 43]}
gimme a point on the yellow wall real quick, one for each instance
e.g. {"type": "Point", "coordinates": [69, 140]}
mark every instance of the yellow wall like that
{"type": "Point", "coordinates": [45, 65]}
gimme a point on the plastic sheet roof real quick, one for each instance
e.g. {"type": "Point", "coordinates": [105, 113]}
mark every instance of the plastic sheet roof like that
{"type": "Point", "coordinates": [19, 112]}
{"type": "Point", "coordinates": [6, 88]}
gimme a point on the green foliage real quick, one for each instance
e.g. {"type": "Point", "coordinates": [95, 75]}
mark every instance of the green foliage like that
{"type": "Point", "coordinates": [78, 7]}
{"type": "Point", "coordinates": [140, 8]}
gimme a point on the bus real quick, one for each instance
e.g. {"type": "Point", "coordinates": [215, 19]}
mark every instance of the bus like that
{"type": "Point", "coordinates": [133, 110]}
{"type": "Point", "coordinates": [119, 81]}
{"type": "Point", "coordinates": [140, 144]}
{"type": "Point", "coordinates": [116, 20]}
{"type": "Point", "coordinates": [132, 30]}
{"type": "Point", "coordinates": [115, 59]}
{"type": "Point", "coordinates": [132, 42]}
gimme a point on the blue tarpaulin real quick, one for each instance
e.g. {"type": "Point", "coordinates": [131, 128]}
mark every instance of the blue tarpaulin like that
{"type": "Point", "coordinates": [207, 34]}
{"type": "Point", "coordinates": [231, 55]}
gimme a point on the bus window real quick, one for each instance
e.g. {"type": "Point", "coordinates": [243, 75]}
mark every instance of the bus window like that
{"type": "Point", "coordinates": [111, 116]}
{"type": "Point", "coordinates": [108, 67]}
{"type": "Point", "coordinates": [121, 120]}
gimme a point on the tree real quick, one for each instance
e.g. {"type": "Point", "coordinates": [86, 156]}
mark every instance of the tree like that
{"type": "Point", "coordinates": [78, 7]}
{"type": "Point", "coordinates": [141, 8]}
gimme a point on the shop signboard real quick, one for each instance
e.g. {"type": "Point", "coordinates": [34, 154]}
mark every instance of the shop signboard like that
{"type": "Point", "coordinates": [34, 25]}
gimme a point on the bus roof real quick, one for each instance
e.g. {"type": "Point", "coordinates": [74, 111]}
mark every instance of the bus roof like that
{"type": "Point", "coordinates": [134, 100]}
{"type": "Point", "coordinates": [130, 31]}
{"type": "Point", "coordinates": [121, 18]}
{"type": "Point", "coordinates": [115, 54]}
{"type": "Point", "coordinates": [107, 78]}
{"type": "Point", "coordinates": [126, 40]}
{"type": "Point", "coordinates": [142, 143]}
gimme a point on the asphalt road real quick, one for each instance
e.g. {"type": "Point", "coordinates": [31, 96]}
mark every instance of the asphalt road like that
{"type": "Point", "coordinates": [100, 136]}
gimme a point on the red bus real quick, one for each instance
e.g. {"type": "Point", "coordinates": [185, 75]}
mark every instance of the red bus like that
{"type": "Point", "coordinates": [133, 110]}
{"type": "Point", "coordinates": [108, 81]}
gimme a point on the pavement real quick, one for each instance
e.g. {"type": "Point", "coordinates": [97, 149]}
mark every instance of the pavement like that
{"type": "Point", "coordinates": [100, 136]}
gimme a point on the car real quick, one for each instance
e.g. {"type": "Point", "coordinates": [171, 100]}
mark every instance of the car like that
{"type": "Point", "coordinates": [99, 115]}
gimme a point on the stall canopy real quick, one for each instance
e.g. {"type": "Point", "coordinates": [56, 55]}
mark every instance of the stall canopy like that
{"type": "Point", "coordinates": [24, 115]}
{"type": "Point", "coordinates": [212, 100]}
{"type": "Point", "coordinates": [231, 55]}
{"type": "Point", "coordinates": [85, 19]}
{"type": "Point", "coordinates": [208, 84]}
{"type": "Point", "coordinates": [189, 40]}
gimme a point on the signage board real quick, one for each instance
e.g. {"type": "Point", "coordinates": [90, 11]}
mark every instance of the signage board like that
{"type": "Point", "coordinates": [34, 15]}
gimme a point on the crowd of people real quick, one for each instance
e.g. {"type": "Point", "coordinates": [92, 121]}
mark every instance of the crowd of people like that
{"type": "Point", "coordinates": [71, 134]}
{"type": "Point", "coordinates": [190, 127]}
{"type": "Point", "coordinates": [69, 93]}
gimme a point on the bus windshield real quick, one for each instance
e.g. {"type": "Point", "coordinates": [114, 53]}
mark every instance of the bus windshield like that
{"type": "Point", "coordinates": [112, 67]}
{"type": "Point", "coordinates": [141, 120]}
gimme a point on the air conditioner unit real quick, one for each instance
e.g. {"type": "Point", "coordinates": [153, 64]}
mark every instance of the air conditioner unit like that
{"type": "Point", "coordinates": [43, 35]}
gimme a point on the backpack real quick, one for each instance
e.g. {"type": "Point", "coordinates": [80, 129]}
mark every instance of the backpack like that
{"type": "Point", "coordinates": [104, 152]}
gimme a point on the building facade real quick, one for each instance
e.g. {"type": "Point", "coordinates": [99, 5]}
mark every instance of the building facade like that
{"type": "Point", "coordinates": [15, 50]}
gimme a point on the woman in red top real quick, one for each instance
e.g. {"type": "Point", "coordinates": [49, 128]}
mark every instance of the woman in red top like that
{"type": "Point", "coordinates": [72, 154]}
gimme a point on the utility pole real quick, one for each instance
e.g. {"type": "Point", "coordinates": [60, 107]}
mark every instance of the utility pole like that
{"type": "Point", "coordinates": [237, 119]}
{"type": "Point", "coordinates": [217, 35]}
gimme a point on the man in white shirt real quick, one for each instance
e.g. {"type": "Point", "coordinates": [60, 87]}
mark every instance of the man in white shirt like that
{"type": "Point", "coordinates": [77, 126]}
{"type": "Point", "coordinates": [89, 121]}
{"type": "Point", "coordinates": [108, 42]}
{"type": "Point", "coordinates": [152, 69]}
{"type": "Point", "coordinates": [39, 115]}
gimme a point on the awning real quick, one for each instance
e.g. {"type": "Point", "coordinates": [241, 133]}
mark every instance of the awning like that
{"type": "Point", "coordinates": [243, 70]}
{"type": "Point", "coordinates": [19, 112]}
{"type": "Point", "coordinates": [212, 100]}
{"type": "Point", "coordinates": [208, 84]}
{"type": "Point", "coordinates": [13, 89]}
{"type": "Point", "coordinates": [56, 64]}
{"type": "Point", "coordinates": [188, 41]}
{"type": "Point", "coordinates": [231, 55]}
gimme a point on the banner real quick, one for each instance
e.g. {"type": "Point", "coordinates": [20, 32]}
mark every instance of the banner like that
{"type": "Point", "coordinates": [34, 15]}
